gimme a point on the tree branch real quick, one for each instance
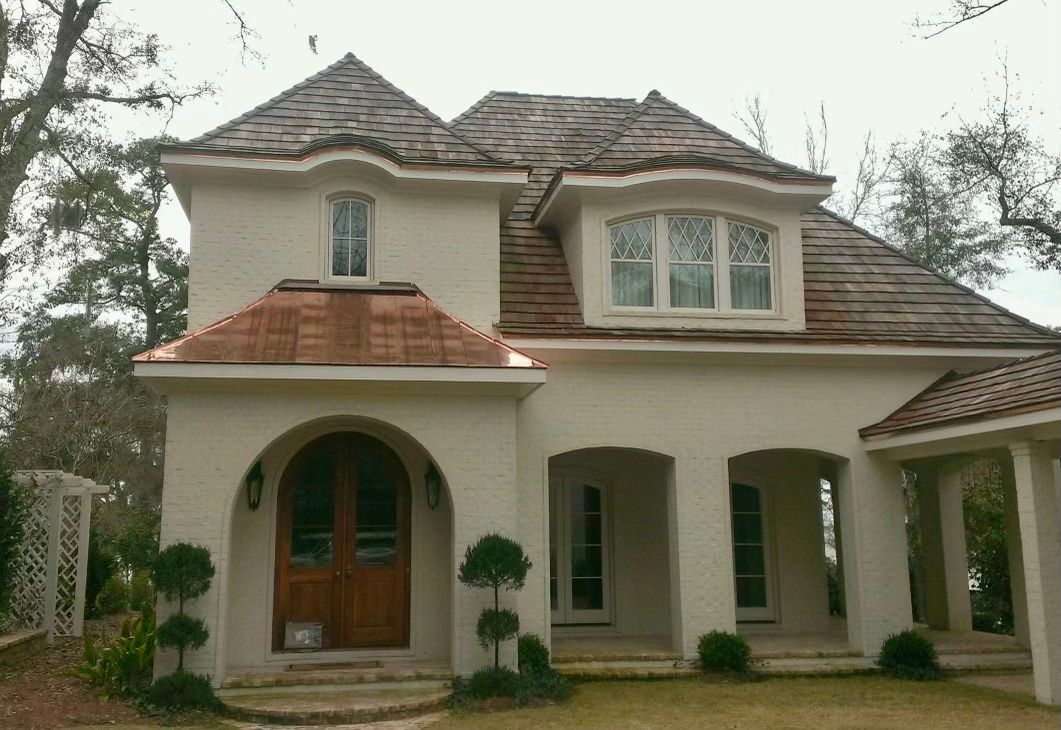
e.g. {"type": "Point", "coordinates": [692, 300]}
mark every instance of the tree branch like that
{"type": "Point", "coordinates": [966, 10]}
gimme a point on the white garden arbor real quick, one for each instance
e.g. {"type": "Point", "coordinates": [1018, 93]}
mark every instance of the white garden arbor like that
{"type": "Point", "coordinates": [49, 590]}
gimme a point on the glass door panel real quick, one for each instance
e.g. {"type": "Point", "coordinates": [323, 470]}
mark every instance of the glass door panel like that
{"type": "Point", "coordinates": [578, 551]}
{"type": "Point", "coordinates": [750, 554]}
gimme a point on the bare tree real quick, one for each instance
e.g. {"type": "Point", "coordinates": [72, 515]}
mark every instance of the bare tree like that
{"type": "Point", "coordinates": [998, 158]}
{"type": "Point", "coordinates": [960, 11]}
{"type": "Point", "coordinates": [864, 197]}
{"type": "Point", "coordinates": [753, 120]}
{"type": "Point", "coordinates": [817, 141]}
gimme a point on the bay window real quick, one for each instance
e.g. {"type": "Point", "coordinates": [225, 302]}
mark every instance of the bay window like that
{"type": "Point", "coordinates": [684, 273]}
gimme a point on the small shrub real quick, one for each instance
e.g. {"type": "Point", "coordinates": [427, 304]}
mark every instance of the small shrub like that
{"type": "Point", "coordinates": [113, 597]}
{"type": "Point", "coordinates": [533, 655]}
{"type": "Point", "coordinates": [542, 686]}
{"type": "Point", "coordinates": [721, 651]}
{"type": "Point", "coordinates": [124, 667]}
{"type": "Point", "coordinates": [486, 683]}
{"type": "Point", "coordinates": [182, 691]}
{"type": "Point", "coordinates": [101, 566]}
{"type": "Point", "coordinates": [141, 592]}
{"type": "Point", "coordinates": [909, 655]}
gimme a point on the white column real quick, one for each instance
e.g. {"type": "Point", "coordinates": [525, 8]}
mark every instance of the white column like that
{"type": "Point", "coordinates": [82, 562]}
{"type": "Point", "coordinates": [944, 560]}
{"type": "Point", "coordinates": [1037, 507]}
{"type": "Point", "coordinates": [876, 577]}
{"type": "Point", "coordinates": [1014, 554]}
{"type": "Point", "coordinates": [702, 591]}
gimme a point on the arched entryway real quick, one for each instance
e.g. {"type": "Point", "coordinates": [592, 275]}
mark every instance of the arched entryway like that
{"type": "Point", "coordinates": [342, 546]}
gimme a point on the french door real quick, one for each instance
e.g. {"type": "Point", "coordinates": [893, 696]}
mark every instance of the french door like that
{"type": "Point", "coordinates": [579, 551]}
{"type": "Point", "coordinates": [751, 554]}
{"type": "Point", "coordinates": [342, 544]}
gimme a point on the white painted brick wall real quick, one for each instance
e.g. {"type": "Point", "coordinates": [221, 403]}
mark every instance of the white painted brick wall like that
{"type": "Point", "coordinates": [245, 239]}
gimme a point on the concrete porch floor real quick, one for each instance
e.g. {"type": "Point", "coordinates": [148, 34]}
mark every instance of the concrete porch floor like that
{"type": "Point", "coordinates": [767, 642]}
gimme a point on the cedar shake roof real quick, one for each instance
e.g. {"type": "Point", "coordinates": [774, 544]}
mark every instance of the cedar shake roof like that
{"type": "Point", "coordinates": [345, 104]}
{"type": "Point", "coordinates": [858, 288]}
{"type": "Point", "coordinates": [304, 323]}
{"type": "Point", "coordinates": [1020, 386]}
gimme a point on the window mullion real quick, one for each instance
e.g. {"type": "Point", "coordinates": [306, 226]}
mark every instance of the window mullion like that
{"type": "Point", "coordinates": [662, 256]}
{"type": "Point", "coordinates": [722, 263]}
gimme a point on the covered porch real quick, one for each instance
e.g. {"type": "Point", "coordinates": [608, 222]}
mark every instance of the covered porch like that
{"type": "Point", "coordinates": [1009, 417]}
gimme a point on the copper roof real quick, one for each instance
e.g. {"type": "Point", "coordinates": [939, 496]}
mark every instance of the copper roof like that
{"type": "Point", "coordinates": [310, 324]}
{"type": "Point", "coordinates": [1020, 386]}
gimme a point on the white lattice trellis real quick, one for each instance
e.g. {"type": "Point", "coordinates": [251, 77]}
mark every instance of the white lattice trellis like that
{"type": "Point", "coordinates": [49, 588]}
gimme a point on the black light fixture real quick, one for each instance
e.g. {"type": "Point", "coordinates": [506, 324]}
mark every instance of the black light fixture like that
{"type": "Point", "coordinates": [255, 480]}
{"type": "Point", "coordinates": [432, 485]}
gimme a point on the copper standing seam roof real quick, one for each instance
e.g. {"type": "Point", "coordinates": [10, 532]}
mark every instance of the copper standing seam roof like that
{"type": "Point", "coordinates": [1021, 386]}
{"type": "Point", "coordinates": [305, 323]}
{"type": "Point", "coordinates": [859, 289]}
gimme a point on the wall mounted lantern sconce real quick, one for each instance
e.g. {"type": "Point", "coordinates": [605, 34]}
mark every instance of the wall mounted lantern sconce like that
{"type": "Point", "coordinates": [255, 481]}
{"type": "Point", "coordinates": [432, 485]}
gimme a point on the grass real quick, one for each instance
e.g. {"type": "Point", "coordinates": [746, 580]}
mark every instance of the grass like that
{"type": "Point", "coordinates": [843, 702]}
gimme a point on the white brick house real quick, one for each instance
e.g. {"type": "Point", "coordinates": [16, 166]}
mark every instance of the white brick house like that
{"type": "Point", "coordinates": [601, 326]}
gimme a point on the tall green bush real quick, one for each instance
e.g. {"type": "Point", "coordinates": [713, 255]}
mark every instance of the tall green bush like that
{"type": "Point", "coordinates": [495, 562]}
{"type": "Point", "coordinates": [14, 512]}
{"type": "Point", "coordinates": [183, 572]}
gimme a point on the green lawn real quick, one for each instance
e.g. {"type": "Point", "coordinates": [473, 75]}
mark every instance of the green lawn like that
{"type": "Point", "coordinates": [846, 702]}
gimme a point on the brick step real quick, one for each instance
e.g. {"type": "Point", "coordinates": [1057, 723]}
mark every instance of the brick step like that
{"type": "Point", "coordinates": [597, 657]}
{"type": "Point", "coordinates": [626, 670]}
{"type": "Point", "coordinates": [338, 676]}
{"type": "Point", "coordinates": [986, 661]}
{"type": "Point", "coordinates": [336, 707]}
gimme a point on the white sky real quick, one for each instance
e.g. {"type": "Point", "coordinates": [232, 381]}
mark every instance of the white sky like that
{"type": "Point", "coordinates": [862, 58]}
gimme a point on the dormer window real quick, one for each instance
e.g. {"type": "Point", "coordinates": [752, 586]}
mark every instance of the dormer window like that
{"type": "Point", "coordinates": [684, 274]}
{"type": "Point", "coordinates": [350, 238]}
{"type": "Point", "coordinates": [749, 267]}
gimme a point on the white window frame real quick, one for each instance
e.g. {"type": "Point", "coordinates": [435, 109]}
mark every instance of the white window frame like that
{"type": "Point", "coordinates": [329, 203]}
{"type": "Point", "coordinates": [769, 612]}
{"type": "Point", "coordinates": [661, 267]}
{"type": "Point", "coordinates": [559, 514]}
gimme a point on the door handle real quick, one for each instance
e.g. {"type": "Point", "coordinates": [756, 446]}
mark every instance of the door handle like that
{"type": "Point", "coordinates": [349, 571]}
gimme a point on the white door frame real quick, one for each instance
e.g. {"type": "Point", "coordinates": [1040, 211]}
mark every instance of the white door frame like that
{"type": "Point", "coordinates": [767, 613]}
{"type": "Point", "coordinates": [560, 486]}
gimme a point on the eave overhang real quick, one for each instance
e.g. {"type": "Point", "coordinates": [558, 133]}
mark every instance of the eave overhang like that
{"type": "Point", "coordinates": [567, 186]}
{"type": "Point", "coordinates": [187, 163]}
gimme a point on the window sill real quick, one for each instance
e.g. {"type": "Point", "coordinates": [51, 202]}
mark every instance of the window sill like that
{"type": "Point", "coordinates": [724, 314]}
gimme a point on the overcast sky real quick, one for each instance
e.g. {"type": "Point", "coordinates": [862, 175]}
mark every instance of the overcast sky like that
{"type": "Point", "coordinates": [863, 59]}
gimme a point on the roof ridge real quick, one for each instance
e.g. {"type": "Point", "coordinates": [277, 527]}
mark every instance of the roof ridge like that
{"type": "Point", "coordinates": [739, 142]}
{"type": "Point", "coordinates": [618, 130]}
{"type": "Point", "coordinates": [873, 237]}
{"type": "Point", "coordinates": [419, 107]}
{"type": "Point", "coordinates": [562, 96]}
{"type": "Point", "coordinates": [473, 108]}
{"type": "Point", "coordinates": [349, 59]}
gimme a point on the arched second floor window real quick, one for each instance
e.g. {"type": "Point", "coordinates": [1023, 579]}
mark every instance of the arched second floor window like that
{"type": "Point", "coordinates": [350, 238]}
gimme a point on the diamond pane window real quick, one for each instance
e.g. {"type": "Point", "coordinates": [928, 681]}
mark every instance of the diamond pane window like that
{"type": "Point", "coordinates": [692, 261]}
{"type": "Point", "coordinates": [349, 238]}
{"type": "Point", "coordinates": [631, 261]}
{"type": "Point", "coordinates": [749, 267]}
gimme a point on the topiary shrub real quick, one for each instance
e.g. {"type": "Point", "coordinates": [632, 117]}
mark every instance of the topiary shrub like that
{"type": "Point", "coordinates": [495, 562]}
{"type": "Point", "coordinates": [182, 691]}
{"type": "Point", "coordinates": [722, 651]}
{"type": "Point", "coordinates": [533, 655]}
{"type": "Point", "coordinates": [909, 655]}
{"type": "Point", "coordinates": [183, 572]}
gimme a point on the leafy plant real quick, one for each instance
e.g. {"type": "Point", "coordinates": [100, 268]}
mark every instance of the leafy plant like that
{"type": "Point", "coordinates": [124, 667]}
{"type": "Point", "coordinates": [909, 655]}
{"type": "Point", "coordinates": [14, 511]}
{"type": "Point", "coordinates": [542, 686]}
{"type": "Point", "coordinates": [182, 691]}
{"type": "Point", "coordinates": [722, 651]}
{"type": "Point", "coordinates": [183, 572]}
{"type": "Point", "coordinates": [141, 591]}
{"type": "Point", "coordinates": [533, 655]}
{"type": "Point", "coordinates": [113, 597]}
{"type": "Point", "coordinates": [495, 562]}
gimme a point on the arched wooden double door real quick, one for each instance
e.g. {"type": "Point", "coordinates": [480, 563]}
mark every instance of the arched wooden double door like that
{"type": "Point", "coordinates": [342, 544]}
